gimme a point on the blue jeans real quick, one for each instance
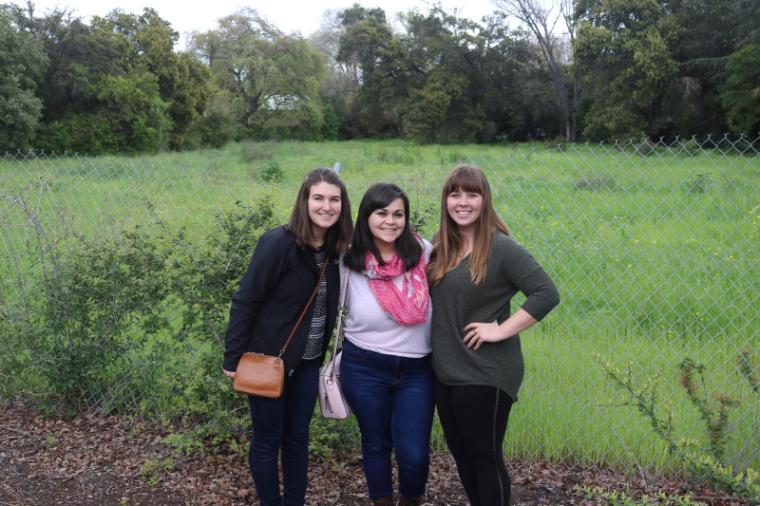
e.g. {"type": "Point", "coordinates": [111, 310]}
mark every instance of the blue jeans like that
{"type": "Point", "coordinates": [392, 398]}
{"type": "Point", "coordinates": [283, 425]}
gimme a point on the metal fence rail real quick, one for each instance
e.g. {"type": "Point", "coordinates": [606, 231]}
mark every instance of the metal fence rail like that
{"type": "Point", "coordinates": [652, 244]}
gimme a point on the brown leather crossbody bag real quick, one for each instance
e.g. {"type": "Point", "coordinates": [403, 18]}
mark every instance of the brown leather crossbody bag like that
{"type": "Point", "coordinates": [264, 375]}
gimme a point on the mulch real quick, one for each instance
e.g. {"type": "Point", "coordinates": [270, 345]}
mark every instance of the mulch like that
{"type": "Point", "coordinates": [115, 460]}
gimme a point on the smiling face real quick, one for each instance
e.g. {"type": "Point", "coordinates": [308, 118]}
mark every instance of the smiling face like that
{"type": "Point", "coordinates": [387, 223]}
{"type": "Point", "coordinates": [324, 206]}
{"type": "Point", "coordinates": [464, 207]}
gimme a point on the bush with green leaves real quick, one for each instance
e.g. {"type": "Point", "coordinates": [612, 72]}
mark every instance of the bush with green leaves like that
{"type": "Point", "coordinates": [135, 321]}
{"type": "Point", "coordinates": [271, 172]}
{"type": "Point", "coordinates": [326, 437]}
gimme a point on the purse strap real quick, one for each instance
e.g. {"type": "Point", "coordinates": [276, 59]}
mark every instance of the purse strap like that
{"type": "Point", "coordinates": [342, 309]}
{"type": "Point", "coordinates": [303, 313]}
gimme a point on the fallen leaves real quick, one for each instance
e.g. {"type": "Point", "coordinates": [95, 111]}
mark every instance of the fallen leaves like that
{"type": "Point", "coordinates": [118, 460]}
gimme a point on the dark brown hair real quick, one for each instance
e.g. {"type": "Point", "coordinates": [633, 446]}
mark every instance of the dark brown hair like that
{"type": "Point", "coordinates": [408, 248]}
{"type": "Point", "coordinates": [300, 224]}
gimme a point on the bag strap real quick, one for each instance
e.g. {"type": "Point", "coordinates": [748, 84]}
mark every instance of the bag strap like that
{"type": "Point", "coordinates": [303, 313]}
{"type": "Point", "coordinates": [342, 309]}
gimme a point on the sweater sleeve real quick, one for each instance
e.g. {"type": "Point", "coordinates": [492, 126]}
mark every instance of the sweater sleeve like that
{"type": "Point", "coordinates": [522, 271]}
{"type": "Point", "coordinates": [264, 270]}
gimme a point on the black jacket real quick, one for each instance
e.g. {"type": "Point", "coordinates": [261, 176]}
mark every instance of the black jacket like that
{"type": "Point", "coordinates": [272, 294]}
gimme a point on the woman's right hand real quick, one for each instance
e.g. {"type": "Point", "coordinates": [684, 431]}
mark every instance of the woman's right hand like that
{"type": "Point", "coordinates": [229, 374]}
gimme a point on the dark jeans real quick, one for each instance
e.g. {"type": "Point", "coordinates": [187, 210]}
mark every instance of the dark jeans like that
{"type": "Point", "coordinates": [392, 398]}
{"type": "Point", "coordinates": [283, 425]}
{"type": "Point", "coordinates": [474, 420]}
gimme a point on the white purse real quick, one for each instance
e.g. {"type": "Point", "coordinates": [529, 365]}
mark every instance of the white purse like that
{"type": "Point", "coordinates": [332, 402]}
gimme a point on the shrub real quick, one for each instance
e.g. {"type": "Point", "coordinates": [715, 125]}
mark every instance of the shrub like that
{"type": "Point", "coordinates": [214, 129]}
{"type": "Point", "coordinates": [271, 172]}
{"type": "Point", "coordinates": [420, 218]}
{"type": "Point", "coordinates": [329, 436]}
{"type": "Point", "coordinates": [135, 322]}
{"type": "Point", "coordinates": [330, 124]}
{"type": "Point", "coordinates": [97, 302]}
{"type": "Point", "coordinates": [703, 464]}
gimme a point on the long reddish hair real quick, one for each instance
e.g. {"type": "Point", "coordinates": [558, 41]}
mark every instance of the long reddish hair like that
{"type": "Point", "coordinates": [447, 251]}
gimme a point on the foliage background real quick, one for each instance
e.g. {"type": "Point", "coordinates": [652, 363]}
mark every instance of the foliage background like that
{"type": "Point", "coordinates": [619, 69]}
{"type": "Point", "coordinates": [117, 274]}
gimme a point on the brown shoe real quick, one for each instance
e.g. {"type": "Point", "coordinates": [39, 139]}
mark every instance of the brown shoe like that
{"type": "Point", "coordinates": [410, 501]}
{"type": "Point", "coordinates": [383, 501]}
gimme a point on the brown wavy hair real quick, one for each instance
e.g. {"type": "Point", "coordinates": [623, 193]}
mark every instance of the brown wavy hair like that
{"type": "Point", "coordinates": [448, 243]}
{"type": "Point", "coordinates": [339, 235]}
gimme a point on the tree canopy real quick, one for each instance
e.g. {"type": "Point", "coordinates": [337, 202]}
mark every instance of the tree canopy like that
{"type": "Point", "coordinates": [587, 69]}
{"type": "Point", "coordinates": [23, 62]}
{"type": "Point", "coordinates": [273, 78]}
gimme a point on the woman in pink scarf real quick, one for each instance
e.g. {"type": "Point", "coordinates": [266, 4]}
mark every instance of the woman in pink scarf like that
{"type": "Point", "coordinates": [386, 367]}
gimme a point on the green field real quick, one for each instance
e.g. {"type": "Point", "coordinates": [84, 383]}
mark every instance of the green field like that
{"type": "Point", "coordinates": [655, 258]}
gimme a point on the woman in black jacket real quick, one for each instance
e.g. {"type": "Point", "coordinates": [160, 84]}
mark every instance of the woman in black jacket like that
{"type": "Point", "coordinates": [280, 279]}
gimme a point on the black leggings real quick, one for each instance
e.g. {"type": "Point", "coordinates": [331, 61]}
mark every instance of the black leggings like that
{"type": "Point", "coordinates": [474, 420]}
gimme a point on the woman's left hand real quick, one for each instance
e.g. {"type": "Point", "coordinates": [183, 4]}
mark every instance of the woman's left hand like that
{"type": "Point", "coordinates": [479, 333]}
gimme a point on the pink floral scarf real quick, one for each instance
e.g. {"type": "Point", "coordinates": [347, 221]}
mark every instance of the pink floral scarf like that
{"type": "Point", "coordinates": [407, 306]}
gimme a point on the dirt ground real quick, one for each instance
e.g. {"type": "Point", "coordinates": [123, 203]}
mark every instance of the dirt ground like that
{"type": "Point", "coordinates": [97, 460]}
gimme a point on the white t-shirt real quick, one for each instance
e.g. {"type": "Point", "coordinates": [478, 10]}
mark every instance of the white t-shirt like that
{"type": "Point", "coordinates": [369, 327]}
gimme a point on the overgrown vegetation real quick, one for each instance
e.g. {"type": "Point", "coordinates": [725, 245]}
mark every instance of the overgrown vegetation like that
{"type": "Point", "coordinates": [703, 463]}
{"type": "Point", "coordinates": [639, 267]}
{"type": "Point", "coordinates": [136, 320]}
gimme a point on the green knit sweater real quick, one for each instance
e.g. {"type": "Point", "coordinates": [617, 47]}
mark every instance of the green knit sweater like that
{"type": "Point", "coordinates": [457, 302]}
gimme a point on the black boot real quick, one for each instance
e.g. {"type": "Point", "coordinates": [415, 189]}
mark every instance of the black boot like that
{"type": "Point", "coordinates": [410, 501]}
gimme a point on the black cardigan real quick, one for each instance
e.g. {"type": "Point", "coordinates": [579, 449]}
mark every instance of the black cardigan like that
{"type": "Point", "coordinates": [272, 294]}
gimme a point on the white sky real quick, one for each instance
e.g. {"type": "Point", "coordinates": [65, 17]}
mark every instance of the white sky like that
{"type": "Point", "coordinates": [303, 16]}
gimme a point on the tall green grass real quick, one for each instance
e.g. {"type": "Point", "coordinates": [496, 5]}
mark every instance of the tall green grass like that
{"type": "Point", "coordinates": [655, 258]}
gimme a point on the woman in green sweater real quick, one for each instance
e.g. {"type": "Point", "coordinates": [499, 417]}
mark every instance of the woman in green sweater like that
{"type": "Point", "coordinates": [475, 269]}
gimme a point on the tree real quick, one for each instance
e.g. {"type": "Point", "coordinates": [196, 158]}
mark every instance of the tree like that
{"type": "Point", "coordinates": [741, 93]}
{"type": "Point", "coordinates": [520, 96]}
{"type": "Point", "coordinates": [711, 33]}
{"type": "Point", "coordinates": [472, 82]}
{"type": "Point", "coordinates": [444, 78]}
{"type": "Point", "coordinates": [666, 62]}
{"type": "Point", "coordinates": [100, 92]}
{"type": "Point", "coordinates": [341, 83]}
{"type": "Point", "coordinates": [148, 42]}
{"type": "Point", "coordinates": [78, 107]}
{"type": "Point", "coordinates": [182, 80]}
{"type": "Point", "coordinates": [367, 43]}
{"type": "Point", "coordinates": [542, 23]}
{"type": "Point", "coordinates": [273, 78]}
{"type": "Point", "coordinates": [445, 84]}
{"type": "Point", "coordinates": [624, 52]}
{"type": "Point", "coordinates": [23, 62]}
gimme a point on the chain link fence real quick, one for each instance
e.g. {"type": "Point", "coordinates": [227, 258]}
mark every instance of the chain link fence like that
{"type": "Point", "coordinates": [652, 244]}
